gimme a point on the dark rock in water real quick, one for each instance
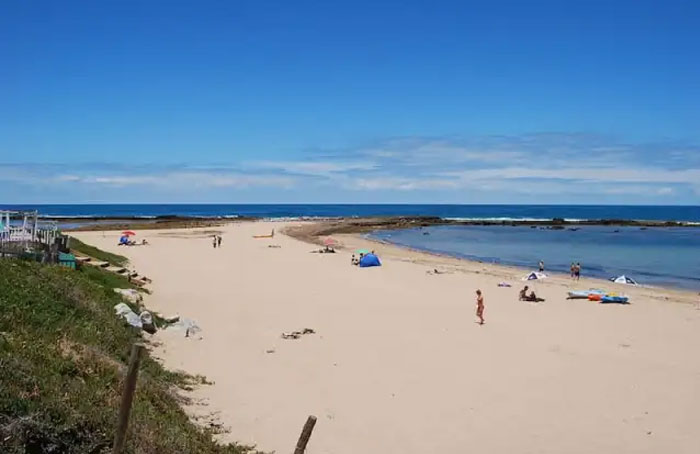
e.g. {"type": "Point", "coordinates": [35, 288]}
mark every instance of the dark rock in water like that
{"type": "Point", "coordinates": [557, 227]}
{"type": "Point", "coordinates": [426, 233]}
{"type": "Point", "coordinates": [616, 231]}
{"type": "Point", "coordinates": [533, 226]}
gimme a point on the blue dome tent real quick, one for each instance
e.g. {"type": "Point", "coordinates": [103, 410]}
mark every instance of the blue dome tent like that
{"type": "Point", "coordinates": [369, 260]}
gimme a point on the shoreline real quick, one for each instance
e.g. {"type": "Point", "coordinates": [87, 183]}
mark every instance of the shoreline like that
{"type": "Point", "coordinates": [313, 231]}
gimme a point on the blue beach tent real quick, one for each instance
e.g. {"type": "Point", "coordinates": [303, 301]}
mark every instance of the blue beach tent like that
{"type": "Point", "coordinates": [369, 260]}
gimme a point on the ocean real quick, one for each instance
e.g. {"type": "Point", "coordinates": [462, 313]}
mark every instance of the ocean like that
{"type": "Point", "coordinates": [653, 256]}
{"type": "Point", "coordinates": [505, 212]}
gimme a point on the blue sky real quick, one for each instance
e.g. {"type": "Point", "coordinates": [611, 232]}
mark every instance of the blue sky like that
{"type": "Point", "coordinates": [323, 102]}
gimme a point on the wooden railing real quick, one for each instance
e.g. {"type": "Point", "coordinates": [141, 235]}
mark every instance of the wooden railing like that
{"type": "Point", "coordinates": [19, 234]}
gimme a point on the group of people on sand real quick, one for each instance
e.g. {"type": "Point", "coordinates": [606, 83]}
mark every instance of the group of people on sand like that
{"type": "Point", "coordinates": [125, 241]}
{"type": "Point", "coordinates": [325, 250]}
{"type": "Point", "coordinates": [524, 296]}
{"type": "Point", "coordinates": [216, 241]}
{"type": "Point", "coordinates": [575, 271]}
{"type": "Point", "coordinates": [354, 260]}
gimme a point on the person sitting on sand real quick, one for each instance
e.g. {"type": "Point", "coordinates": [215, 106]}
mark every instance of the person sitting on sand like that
{"type": "Point", "coordinates": [523, 294]}
{"type": "Point", "coordinates": [531, 297]}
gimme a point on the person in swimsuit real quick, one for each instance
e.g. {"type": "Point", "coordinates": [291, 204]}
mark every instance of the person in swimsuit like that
{"type": "Point", "coordinates": [218, 241]}
{"type": "Point", "coordinates": [541, 266]}
{"type": "Point", "coordinates": [577, 271]}
{"type": "Point", "coordinates": [480, 307]}
{"type": "Point", "coordinates": [573, 269]}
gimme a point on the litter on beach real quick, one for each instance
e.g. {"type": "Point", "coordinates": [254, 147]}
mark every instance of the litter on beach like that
{"type": "Point", "coordinates": [297, 334]}
{"type": "Point", "coordinates": [504, 284]}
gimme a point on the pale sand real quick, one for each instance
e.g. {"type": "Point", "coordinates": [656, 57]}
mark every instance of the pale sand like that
{"type": "Point", "coordinates": [398, 364]}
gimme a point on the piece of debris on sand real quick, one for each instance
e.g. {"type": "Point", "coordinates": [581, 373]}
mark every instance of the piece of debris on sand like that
{"type": "Point", "coordinates": [297, 334]}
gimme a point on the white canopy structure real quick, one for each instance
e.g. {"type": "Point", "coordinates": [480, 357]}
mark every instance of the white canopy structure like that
{"type": "Point", "coordinates": [534, 276]}
{"type": "Point", "coordinates": [624, 280]}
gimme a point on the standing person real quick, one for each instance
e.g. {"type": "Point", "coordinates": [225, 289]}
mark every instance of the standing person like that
{"type": "Point", "coordinates": [573, 270]}
{"type": "Point", "coordinates": [577, 271]}
{"type": "Point", "coordinates": [218, 241]}
{"type": "Point", "coordinates": [213, 241]}
{"type": "Point", "coordinates": [541, 266]}
{"type": "Point", "coordinates": [480, 307]}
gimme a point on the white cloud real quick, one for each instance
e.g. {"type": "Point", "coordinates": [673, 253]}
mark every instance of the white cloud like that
{"type": "Point", "coordinates": [315, 167]}
{"type": "Point", "coordinates": [586, 174]}
{"type": "Point", "coordinates": [496, 167]}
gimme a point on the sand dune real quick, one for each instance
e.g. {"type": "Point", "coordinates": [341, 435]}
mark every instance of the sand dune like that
{"type": "Point", "coordinates": [398, 363]}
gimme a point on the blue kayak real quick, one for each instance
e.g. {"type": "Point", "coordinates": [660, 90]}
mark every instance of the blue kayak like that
{"type": "Point", "coordinates": [614, 299]}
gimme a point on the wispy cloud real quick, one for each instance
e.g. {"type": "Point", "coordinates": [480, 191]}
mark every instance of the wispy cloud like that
{"type": "Point", "coordinates": [490, 168]}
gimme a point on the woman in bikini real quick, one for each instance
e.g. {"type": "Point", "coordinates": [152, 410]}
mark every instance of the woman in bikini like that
{"type": "Point", "coordinates": [480, 307]}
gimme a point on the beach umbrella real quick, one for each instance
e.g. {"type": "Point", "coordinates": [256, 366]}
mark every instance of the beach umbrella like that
{"type": "Point", "coordinates": [329, 241]}
{"type": "Point", "coordinates": [128, 233]}
{"type": "Point", "coordinates": [362, 251]}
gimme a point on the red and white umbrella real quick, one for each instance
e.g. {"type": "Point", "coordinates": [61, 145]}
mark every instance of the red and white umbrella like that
{"type": "Point", "coordinates": [329, 241]}
{"type": "Point", "coordinates": [128, 233]}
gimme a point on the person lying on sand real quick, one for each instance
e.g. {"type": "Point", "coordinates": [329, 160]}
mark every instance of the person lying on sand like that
{"type": "Point", "coordinates": [325, 250]}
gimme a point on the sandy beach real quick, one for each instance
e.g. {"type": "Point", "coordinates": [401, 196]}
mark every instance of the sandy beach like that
{"type": "Point", "coordinates": [398, 364]}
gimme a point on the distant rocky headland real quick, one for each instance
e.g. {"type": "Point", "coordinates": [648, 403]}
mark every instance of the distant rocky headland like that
{"type": "Point", "coordinates": [327, 226]}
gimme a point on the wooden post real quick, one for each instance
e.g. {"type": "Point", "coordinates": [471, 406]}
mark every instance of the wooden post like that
{"type": "Point", "coordinates": [305, 435]}
{"type": "Point", "coordinates": [127, 397]}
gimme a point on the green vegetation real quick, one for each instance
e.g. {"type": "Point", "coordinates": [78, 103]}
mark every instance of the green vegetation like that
{"type": "Point", "coordinates": [63, 353]}
{"type": "Point", "coordinates": [106, 278]}
{"type": "Point", "coordinates": [85, 249]}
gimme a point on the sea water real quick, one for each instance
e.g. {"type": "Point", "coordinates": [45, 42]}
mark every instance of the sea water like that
{"type": "Point", "coordinates": [498, 212]}
{"type": "Point", "coordinates": [667, 256]}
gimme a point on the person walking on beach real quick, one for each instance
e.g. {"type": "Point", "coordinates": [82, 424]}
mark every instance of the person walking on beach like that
{"type": "Point", "coordinates": [573, 270]}
{"type": "Point", "coordinates": [541, 266]}
{"type": "Point", "coordinates": [577, 271]}
{"type": "Point", "coordinates": [213, 241]}
{"type": "Point", "coordinates": [218, 241]}
{"type": "Point", "coordinates": [480, 307]}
